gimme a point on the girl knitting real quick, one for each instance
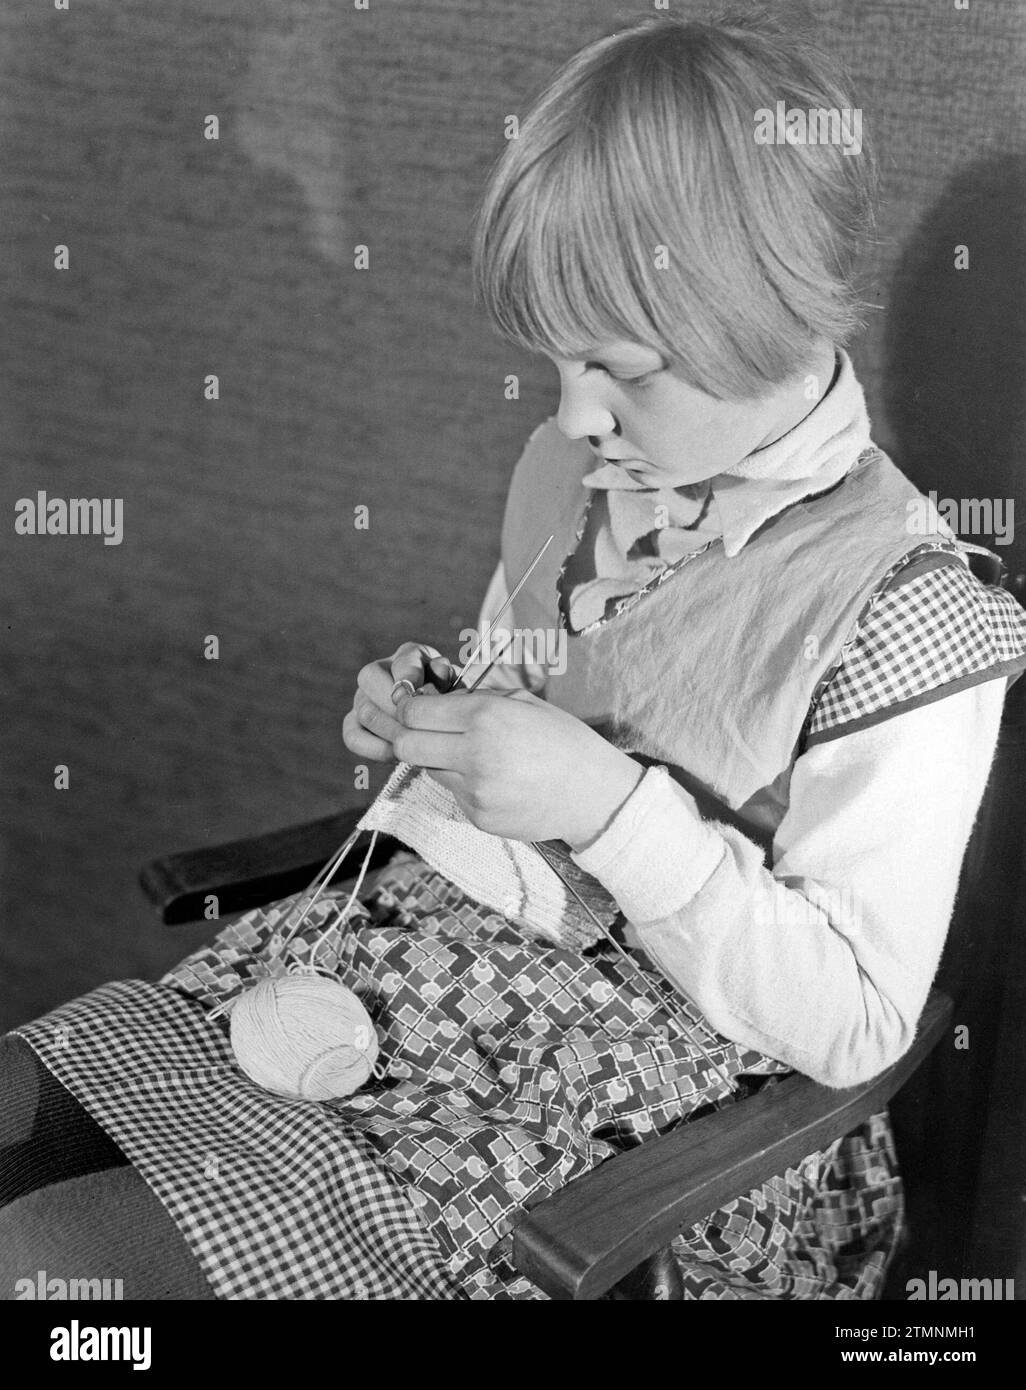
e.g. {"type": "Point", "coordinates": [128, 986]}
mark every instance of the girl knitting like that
{"type": "Point", "coordinates": [763, 759]}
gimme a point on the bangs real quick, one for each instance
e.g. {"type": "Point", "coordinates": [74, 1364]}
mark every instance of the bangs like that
{"type": "Point", "coordinates": [635, 204]}
{"type": "Point", "coordinates": [556, 272]}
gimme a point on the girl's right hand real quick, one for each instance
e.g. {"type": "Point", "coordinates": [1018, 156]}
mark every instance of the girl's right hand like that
{"type": "Point", "coordinates": [370, 727]}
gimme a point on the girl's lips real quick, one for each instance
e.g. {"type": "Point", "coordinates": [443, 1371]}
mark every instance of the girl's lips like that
{"type": "Point", "coordinates": [639, 469]}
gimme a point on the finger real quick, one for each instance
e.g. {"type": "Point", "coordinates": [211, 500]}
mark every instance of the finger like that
{"type": "Point", "coordinates": [449, 714]}
{"type": "Point", "coordinates": [408, 662]}
{"type": "Point", "coordinates": [371, 749]}
{"type": "Point", "coordinates": [376, 720]}
{"type": "Point", "coordinates": [375, 682]}
{"type": "Point", "coordinates": [364, 744]}
{"type": "Point", "coordinates": [439, 675]}
{"type": "Point", "coordinates": [439, 752]}
{"type": "Point", "coordinates": [441, 672]}
{"type": "Point", "coordinates": [402, 689]}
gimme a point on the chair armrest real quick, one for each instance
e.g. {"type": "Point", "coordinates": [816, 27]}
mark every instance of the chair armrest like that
{"type": "Point", "coordinates": [248, 873]}
{"type": "Point", "coordinates": [583, 1239]}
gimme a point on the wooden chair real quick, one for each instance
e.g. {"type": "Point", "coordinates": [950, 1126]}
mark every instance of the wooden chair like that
{"type": "Point", "coordinates": [607, 1235]}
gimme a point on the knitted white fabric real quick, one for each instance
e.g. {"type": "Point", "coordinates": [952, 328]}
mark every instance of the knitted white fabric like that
{"type": "Point", "coordinates": [509, 876]}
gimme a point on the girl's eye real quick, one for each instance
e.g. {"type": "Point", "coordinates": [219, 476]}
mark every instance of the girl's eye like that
{"type": "Point", "coordinates": [640, 382]}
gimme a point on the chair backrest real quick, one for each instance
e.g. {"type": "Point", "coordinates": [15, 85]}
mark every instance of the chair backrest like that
{"type": "Point", "coordinates": [991, 869]}
{"type": "Point", "coordinates": [941, 1115]}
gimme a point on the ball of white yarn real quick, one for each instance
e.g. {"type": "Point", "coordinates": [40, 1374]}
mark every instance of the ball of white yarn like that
{"type": "Point", "coordinates": [303, 1036]}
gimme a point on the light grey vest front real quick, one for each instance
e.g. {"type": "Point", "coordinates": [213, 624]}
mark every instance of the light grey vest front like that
{"type": "Point", "coordinates": [712, 673]}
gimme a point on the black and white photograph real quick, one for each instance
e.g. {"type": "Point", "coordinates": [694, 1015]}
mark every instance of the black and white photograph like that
{"type": "Point", "coordinates": [514, 742]}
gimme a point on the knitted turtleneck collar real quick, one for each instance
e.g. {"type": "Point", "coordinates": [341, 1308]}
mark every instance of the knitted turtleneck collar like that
{"type": "Point", "coordinates": [632, 548]}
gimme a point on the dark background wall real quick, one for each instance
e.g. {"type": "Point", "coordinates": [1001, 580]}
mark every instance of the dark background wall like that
{"type": "Point", "coordinates": [342, 387]}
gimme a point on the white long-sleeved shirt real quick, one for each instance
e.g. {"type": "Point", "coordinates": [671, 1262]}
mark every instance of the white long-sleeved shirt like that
{"type": "Point", "coordinates": [823, 961]}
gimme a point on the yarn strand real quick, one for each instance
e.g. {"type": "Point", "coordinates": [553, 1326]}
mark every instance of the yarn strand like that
{"type": "Point", "coordinates": [317, 887]}
{"type": "Point", "coordinates": [342, 914]}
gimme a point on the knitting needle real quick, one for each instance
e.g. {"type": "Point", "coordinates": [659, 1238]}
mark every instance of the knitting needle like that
{"type": "Point", "coordinates": [457, 679]}
{"type": "Point", "coordinates": [477, 679]}
{"type": "Point", "coordinates": [497, 657]}
{"type": "Point", "coordinates": [492, 621]}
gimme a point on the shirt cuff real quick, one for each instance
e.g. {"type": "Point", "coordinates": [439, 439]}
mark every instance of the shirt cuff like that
{"type": "Point", "coordinates": [656, 853]}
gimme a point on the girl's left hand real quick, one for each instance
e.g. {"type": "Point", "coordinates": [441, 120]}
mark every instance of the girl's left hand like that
{"type": "Point", "coordinates": [517, 766]}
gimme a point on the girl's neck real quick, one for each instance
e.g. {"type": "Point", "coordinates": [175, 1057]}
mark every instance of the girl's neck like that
{"type": "Point", "coordinates": [794, 406]}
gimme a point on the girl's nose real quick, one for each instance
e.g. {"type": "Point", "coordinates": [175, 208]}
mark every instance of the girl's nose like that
{"type": "Point", "coordinates": [596, 442]}
{"type": "Point", "coordinates": [578, 418]}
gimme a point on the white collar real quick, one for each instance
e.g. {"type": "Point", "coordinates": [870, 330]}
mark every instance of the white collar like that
{"type": "Point", "coordinates": [809, 458]}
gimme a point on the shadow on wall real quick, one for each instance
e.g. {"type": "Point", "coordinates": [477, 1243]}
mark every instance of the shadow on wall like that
{"type": "Point", "coordinates": [955, 348]}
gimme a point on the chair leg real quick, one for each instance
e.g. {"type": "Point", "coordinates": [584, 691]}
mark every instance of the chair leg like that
{"type": "Point", "coordinates": [656, 1279]}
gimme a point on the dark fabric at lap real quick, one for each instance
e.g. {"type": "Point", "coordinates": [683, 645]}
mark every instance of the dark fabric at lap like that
{"type": "Point", "coordinates": [99, 1226]}
{"type": "Point", "coordinates": [70, 1203]}
{"type": "Point", "coordinates": [46, 1136]}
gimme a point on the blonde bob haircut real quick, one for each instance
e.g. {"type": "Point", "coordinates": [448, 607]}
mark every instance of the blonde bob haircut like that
{"type": "Point", "coordinates": [645, 139]}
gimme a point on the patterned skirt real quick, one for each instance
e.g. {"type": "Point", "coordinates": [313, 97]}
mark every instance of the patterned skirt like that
{"type": "Point", "coordinates": [508, 1068]}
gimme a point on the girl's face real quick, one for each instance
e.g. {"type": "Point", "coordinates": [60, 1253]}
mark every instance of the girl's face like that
{"type": "Point", "coordinates": [635, 412]}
